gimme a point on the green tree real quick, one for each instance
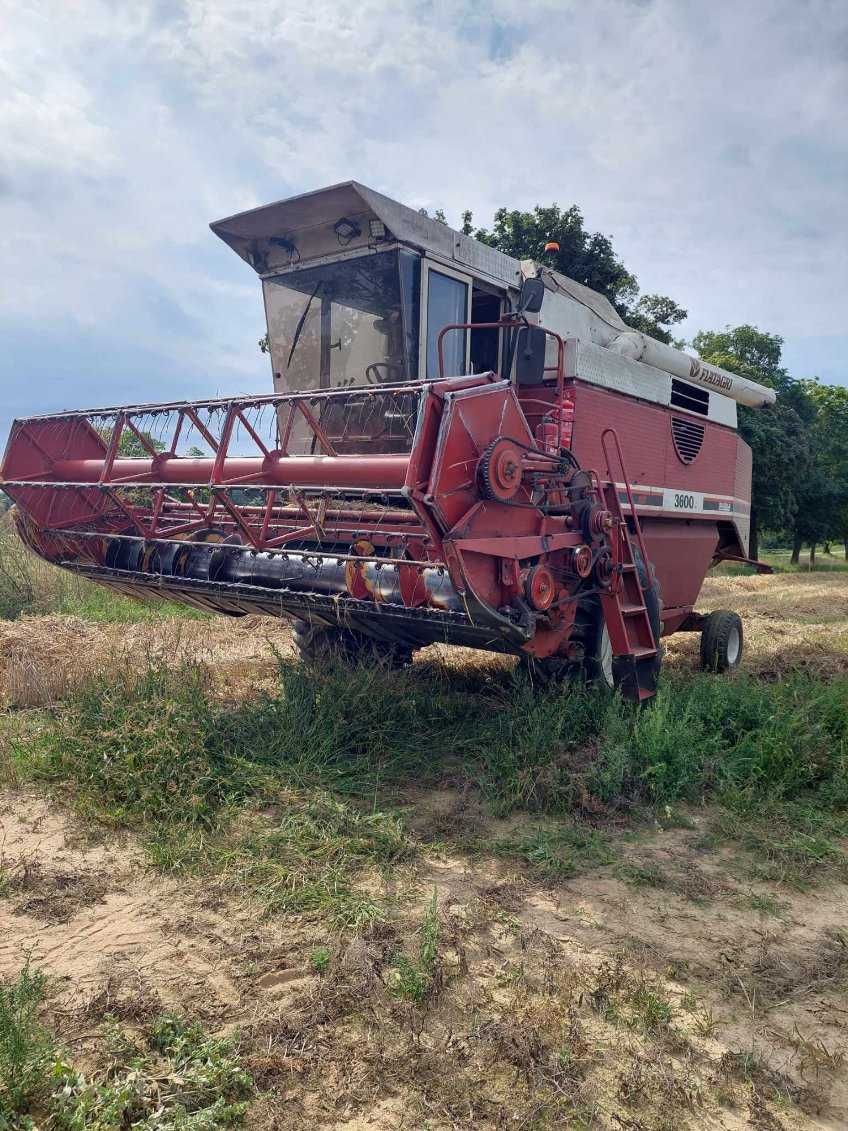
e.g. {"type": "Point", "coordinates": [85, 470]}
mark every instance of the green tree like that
{"type": "Point", "coordinates": [830, 442]}
{"type": "Point", "coordinates": [130, 444]}
{"type": "Point", "coordinates": [779, 435]}
{"type": "Point", "coordinates": [820, 498]}
{"type": "Point", "coordinates": [587, 257]}
{"type": "Point", "coordinates": [754, 353]}
{"type": "Point", "coordinates": [653, 314]}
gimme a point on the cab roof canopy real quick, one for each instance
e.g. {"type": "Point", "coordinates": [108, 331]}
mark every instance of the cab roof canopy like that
{"type": "Point", "coordinates": [283, 235]}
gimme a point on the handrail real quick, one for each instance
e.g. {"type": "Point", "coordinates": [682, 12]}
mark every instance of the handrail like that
{"type": "Point", "coordinates": [507, 324]}
{"type": "Point", "coordinates": [626, 480]}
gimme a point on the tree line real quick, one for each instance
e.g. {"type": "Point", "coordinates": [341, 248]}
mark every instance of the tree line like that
{"type": "Point", "coordinates": [799, 490]}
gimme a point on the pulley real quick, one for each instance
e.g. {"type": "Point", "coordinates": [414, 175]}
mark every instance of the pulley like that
{"type": "Point", "coordinates": [539, 587]}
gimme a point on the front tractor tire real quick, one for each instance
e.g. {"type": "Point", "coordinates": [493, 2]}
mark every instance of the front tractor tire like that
{"type": "Point", "coordinates": [319, 643]}
{"type": "Point", "coordinates": [598, 665]}
{"type": "Point", "coordinates": [721, 641]}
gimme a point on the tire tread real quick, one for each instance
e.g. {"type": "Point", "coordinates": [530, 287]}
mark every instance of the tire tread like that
{"type": "Point", "coordinates": [715, 638]}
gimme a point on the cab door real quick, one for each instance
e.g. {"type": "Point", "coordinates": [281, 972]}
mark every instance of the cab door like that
{"type": "Point", "coordinates": [445, 299]}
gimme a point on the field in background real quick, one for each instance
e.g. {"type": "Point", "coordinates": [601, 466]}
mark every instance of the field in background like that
{"type": "Point", "coordinates": [435, 899]}
{"type": "Point", "coordinates": [781, 561]}
{"type": "Point", "coordinates": [31, 587]}
{"type": "Point", "coordinates": [824, 563]}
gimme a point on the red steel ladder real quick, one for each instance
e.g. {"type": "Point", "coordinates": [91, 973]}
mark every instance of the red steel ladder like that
{"type": "Point", "coordinates": [634, 647]}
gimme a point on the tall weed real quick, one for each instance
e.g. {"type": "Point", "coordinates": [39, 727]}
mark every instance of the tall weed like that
{"type": "Point", "coordinates": [27, 1050]}
{"type": "Point", "coordinates": [30, 586]}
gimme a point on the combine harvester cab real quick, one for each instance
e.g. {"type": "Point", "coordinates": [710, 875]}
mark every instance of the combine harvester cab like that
{"type": "Point", "coordinates": [459, 448]}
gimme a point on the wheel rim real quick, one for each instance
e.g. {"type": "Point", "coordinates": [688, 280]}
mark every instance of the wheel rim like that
{"type": "Point", "coordinates": [605, 657]}
{"type": "Point", "coordinates": [734, 647]}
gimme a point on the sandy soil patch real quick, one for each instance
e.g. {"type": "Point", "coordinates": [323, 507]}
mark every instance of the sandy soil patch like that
{"type": "Point", "coordinates": [754, 974]}
{"type": "Point", "coordinates": [758, 1001]}
{"type": "Point", "coordinates": [106, 928]}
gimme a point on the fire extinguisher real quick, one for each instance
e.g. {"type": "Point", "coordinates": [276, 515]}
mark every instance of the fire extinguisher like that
{"type": "Point", "coordinates": [557, 428]}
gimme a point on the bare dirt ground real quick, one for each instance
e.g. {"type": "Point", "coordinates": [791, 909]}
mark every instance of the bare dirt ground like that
{"type": "Point", "coordinates": [707, 999]}
{"type": "Point", "coordinates": [757, 998]}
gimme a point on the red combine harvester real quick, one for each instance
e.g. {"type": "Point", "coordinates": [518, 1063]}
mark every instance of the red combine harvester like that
{"type": "Point", "coordinates": [460, 447]}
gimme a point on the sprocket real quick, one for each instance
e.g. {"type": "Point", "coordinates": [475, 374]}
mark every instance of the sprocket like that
{"type": "Point", "coordinates": [499, 470]}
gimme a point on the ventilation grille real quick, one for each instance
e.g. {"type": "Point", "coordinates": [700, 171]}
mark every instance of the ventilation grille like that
{"type": "Point", "coordinates": [688, 436]}
{"type": "Point", "coordinates": [690, 396]}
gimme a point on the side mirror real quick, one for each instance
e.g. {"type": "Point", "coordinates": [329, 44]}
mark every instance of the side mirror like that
{"type": "Point", "coordinates": [530, 355]}
{"type": "Point", "coordinates": [532, 296]}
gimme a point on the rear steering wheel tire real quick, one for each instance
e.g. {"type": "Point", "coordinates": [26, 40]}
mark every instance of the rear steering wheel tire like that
{"type": "Point", "coordinates": [721, 641]}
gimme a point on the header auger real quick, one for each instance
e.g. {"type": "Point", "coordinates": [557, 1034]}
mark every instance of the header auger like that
{"type": "Point", "coordinates": [447, 456]}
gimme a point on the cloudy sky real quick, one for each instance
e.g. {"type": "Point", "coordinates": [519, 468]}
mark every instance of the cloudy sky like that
{"type": "Point", "coordinates": [708, 138]}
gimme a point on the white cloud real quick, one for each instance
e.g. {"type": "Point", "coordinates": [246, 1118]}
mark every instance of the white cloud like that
{"type": "Point", "coordinates": [671, 123]}
{"type": "Point", "coordinates": [710, 141]}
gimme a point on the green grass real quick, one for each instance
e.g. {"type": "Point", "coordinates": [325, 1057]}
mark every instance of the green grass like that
{"type": "Point", "coordinates": [210, 792]}
{"type": "Point", "coordinates": [298, 798]}
{"type": "Point", "coordinates": [308, 860]}
{"type": "Point", "coordinates": [642, 875]}
{"type": "Point", "coordinates": [168, 1077]}
{"type": "Point", "coordinates": [27, 1050]}
{"type": "Point", "coordinates": [296, 795]}
{"type": "Point", "coordinates": [789, 844]}
{"type": "Point", "coordinates": [780, 560]}
{"type": "Point", "coordinates": [80, 598]}
{"type": "Point", "coordinates": [413, 978]}
{"type": "Point", "coordinates": [557, 850]}
{"type": "Point", "coordinates": [623, 997]}
{"type": "Point", "coordinates": [649, 1009]}
{"type": "Point", "coordinates": [319, 960]}
{"type": "Point", "coordinates": [765, 904]}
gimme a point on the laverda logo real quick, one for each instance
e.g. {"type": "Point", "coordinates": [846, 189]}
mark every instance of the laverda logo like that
{"type": "Point", "coordinates": [700, 372]}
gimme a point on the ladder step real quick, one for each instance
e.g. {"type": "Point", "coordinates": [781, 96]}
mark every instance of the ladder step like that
{"type": "Point", "coordinates": [627, 567]}
{"type": "Point", "coordinates": [641, 653]}
{"type": "Point", "coordinates": [632, 610]}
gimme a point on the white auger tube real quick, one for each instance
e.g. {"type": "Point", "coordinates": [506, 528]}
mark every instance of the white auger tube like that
{"type": "Point", "coordinates": [641, 347]}
{"type": "Point", "coordinates": [574, 310]}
